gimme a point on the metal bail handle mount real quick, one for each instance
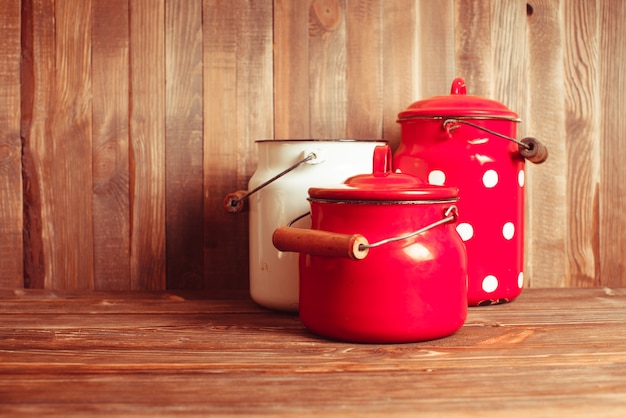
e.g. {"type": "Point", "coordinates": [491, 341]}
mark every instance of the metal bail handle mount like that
{"type": "Point", "coordinates": [234, 202]}
{"type": "Point", "coordinates": [529, 147]}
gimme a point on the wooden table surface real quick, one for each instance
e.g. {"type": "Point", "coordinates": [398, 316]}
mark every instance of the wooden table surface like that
{"type": "Point", "coordinates": [552, 352]}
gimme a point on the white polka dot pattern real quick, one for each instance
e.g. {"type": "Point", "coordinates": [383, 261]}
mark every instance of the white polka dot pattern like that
{"type": "Point", "coordinates": [465, 230]}
{"type": "Point", "coordinates": [490, 284]}
{"type": "Point", "coordinates": [490, 179]}
{"type": "Point", "coordinates": [437, 177]}
{"type": "Point", "coordinates": [508, 230]}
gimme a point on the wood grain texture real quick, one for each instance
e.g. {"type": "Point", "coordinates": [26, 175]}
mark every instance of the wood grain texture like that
{"type": "Point", "coordinates": [399, 69]}
{"type": "Point", "coordinates": [327, 68]}
{"type": "Point", "coordinates": [71, 149]}
{"type": "Point", "coordinates": [184, 144]}
{"type": "Point", "coordinates": [435, 45]}
{"type": "Point", "coordinates": [238, 109]}
{"type": "Point", "coordinates": [553, 352]}
{"type": "Point", "coordinates": [546, 261]}
{"type": "Point", "coordinates": [111, 189]}
{"type": "Point", "coordinates": [612, 187]}
{"type": "Point", "coordinates": [11, 221]}
{"type": "Point", "coordinates": [364, 69]}
{"type": "Point", "coordinates": [37, 95]}
{"type": "Point", "coordinates": [581, 49]}
{"type": "Point", "coordinates": [473, 45]}
{"type": "Point", "coordinates": [509, 52]}
{"type": "Point", "coordinates": [291, 70]}
{"type": "Point", "coordinates": [147, 144]}
{"type": "Point", "coordinates": [221, 142]}
{"type": "Point", "coordinates": [418, 57]}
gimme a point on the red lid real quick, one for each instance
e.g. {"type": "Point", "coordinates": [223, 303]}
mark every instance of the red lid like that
{"type": "Point", "coordinates": [383, 185]}
{"type": "Point", "coordinates": [457, 104]}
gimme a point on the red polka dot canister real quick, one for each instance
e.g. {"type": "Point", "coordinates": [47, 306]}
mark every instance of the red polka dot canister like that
{"type": "Point", "coordinates": [470, 142]}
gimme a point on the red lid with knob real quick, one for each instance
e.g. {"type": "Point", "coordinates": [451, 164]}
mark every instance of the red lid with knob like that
{"type": "Point", "coordinates": [383, 185]}
{"type": "Point", "coordinates": [457, 104]}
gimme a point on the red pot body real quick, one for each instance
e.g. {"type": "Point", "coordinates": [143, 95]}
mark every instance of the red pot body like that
{"type": "Point", "coordinates": [489, 173]}
{"type": "Point", "coordinates": [405, 291]}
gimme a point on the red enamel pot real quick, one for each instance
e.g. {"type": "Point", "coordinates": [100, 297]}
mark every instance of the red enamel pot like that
{"type": "Point", "coordinates": [470, 142]}
{"type": "Point", "coordinates": [382, 262]}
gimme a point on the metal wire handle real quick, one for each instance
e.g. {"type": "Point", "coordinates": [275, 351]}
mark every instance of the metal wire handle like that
{"type": "Point", "coordinates": [450, 215]}
{"type": "Point", "coordinates": [482, 128]}
{"type": "Point", "coordinates": [235, 201]}
{"type": "Point", "coordinates": [293, 221]}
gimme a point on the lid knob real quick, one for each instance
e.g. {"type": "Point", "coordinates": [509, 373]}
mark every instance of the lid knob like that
{"type": "Point", "coordinates": [458, 86]}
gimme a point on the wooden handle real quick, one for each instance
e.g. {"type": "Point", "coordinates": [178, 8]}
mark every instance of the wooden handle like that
{"type": "Point", "coordinates": [322, 243]}
{"type": "Point", "coordinates": [234, 203]}
{"type": "Point", "coordinates": [536, 151]}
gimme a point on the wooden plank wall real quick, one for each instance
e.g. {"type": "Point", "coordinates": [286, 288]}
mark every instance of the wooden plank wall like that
{"type": "Point", "coordinates": [123, 123]}
{"type": "Point", "coordinates": [11, 246]}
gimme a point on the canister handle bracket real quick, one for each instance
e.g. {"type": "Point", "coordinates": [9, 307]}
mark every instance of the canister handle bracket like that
{"type": "Point", "coordinates": [529, 148]}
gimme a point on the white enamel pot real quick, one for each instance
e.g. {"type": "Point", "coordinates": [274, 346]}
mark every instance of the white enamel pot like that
{"type": "Point", "coordinates": [277, 194]}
